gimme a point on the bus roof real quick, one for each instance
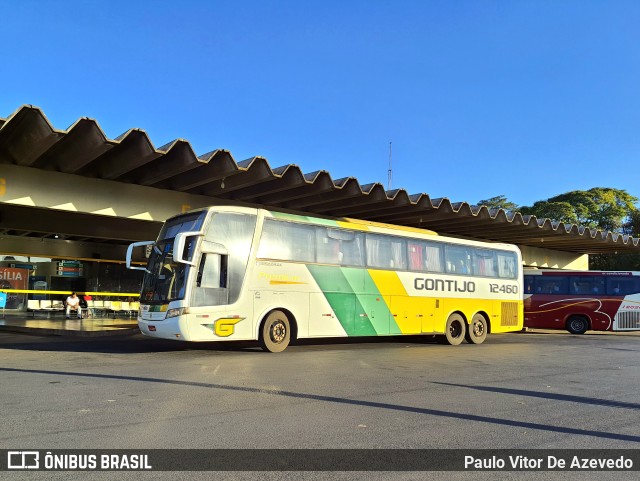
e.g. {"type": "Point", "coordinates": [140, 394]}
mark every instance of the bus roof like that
{"type": "Point", "coordinates": [347, 223]}
{"type": "Point", "coordinates": [554, 272]}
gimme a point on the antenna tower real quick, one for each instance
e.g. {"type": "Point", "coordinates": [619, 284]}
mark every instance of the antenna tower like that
{"type": "Point", "coordinates": [389, 172]}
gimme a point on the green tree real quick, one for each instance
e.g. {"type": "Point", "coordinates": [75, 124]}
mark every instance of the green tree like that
{"type": "Point", "coordinates": [600, 208]}
{"type": "Point", "coordinates": [620, 261]}
{"type": "Point", "coordinates": [498, 202]}
{"type": "Point", "coordinates": [560, 211]}
{"type": "Point", "coordinates": [614, 262]}
{"type": "Point", "coordinates": [632, 227]}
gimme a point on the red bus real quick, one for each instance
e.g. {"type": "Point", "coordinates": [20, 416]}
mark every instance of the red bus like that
{"type": "Point", "coordinates": [579, 301]}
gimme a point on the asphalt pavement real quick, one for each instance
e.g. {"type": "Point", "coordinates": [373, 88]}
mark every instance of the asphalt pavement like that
{"type": "Point", "coordinates": [534, 390]}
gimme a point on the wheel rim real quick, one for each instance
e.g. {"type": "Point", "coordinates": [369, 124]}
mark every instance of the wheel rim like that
{"type": "Point", "coordinates": [455, 330]}
{"type": "Point", "coordinates": [478, 329]}
{"type": "Point", "coordinates": [278, 332]}
{"type": "Point", "coordinates": [577, 324]}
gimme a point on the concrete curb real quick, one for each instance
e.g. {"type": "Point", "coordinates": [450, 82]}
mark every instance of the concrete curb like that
{"type": "Point", "coordinates": [36, 331]}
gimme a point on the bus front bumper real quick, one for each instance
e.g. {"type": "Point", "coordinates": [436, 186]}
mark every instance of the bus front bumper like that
{"type": "Point", "coordinates": [171, 328]}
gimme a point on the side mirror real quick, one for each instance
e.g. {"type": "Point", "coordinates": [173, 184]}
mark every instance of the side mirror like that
{"type": "Point", "coordinates": [178, 247]}
{"type": "Point", "coordinates": [130, 254]}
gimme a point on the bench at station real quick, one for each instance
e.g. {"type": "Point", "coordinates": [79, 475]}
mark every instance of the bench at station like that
{"type": "Point", "coordinates": [119, 308]}
{"type": "Point", "coordinates": [50, 308]}
{"type": "Point", "coordinates": [95, 308]}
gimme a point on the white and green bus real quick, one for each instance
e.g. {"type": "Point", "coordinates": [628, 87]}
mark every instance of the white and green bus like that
{"type": "Point", "coordinates": [240, 273]}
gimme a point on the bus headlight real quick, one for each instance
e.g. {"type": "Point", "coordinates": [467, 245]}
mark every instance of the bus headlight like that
{"type": "Point", "coordinates": [177, 311]}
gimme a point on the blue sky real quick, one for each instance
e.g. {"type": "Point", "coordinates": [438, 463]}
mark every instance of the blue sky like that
{"type": "Point", "coordinates": [527, 99]}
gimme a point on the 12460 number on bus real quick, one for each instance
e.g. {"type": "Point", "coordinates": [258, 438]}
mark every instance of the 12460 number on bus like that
{"type": "Point", "coordinates": [504, 289]}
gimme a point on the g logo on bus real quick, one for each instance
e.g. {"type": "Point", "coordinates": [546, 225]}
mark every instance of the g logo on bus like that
{"type": "Point", "coordinates": [225, 326]}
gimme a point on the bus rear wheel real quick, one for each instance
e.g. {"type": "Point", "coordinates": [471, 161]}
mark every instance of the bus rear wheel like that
{"type": "Point", "coordinates": [478, 329]}
{"type": "Point", "coordinates": [275, 332]}
{"type": "Point", "coordinates": [577, 325]}
{"type": "Point", "coordinates": [455, 330]}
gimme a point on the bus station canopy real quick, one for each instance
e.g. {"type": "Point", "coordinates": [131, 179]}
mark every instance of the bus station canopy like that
{"type": "Point", "coordinates": [28, 139]}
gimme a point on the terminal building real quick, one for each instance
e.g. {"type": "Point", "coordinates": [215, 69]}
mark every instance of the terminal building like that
{"type": "Point", "coordinates": [72, 200]}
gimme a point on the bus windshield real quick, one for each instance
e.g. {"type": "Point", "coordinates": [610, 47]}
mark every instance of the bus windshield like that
{"type": "Point", "coordinates": [165, 279]}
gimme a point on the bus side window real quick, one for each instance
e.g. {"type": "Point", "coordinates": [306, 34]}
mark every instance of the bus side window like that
{"type": "Point", "coordinates": [458, 259]}
{"type": "Point", "coordinates": [507, 265]}
{"type": "Point", "coordinates": [340, 247]}
{"type": "Point", "coordinates": [327, 249]}
{"type": "Point", "coordinates": [528, 285]}
{"type": "Point", "coordinates": [415, 257]}
{"type": "Point", "coordinates": [301, 241]}
{"type": "Point", "coordinates": [577, 288]}
{"type": "Point", "coordinates": [425, 256]}
{"type": "Point", "coordinates": [558, 285]}
{"type": "Point", "coordinates": [588, 285]}
{"type": "Point", "coordinates": [352, 250]}
{"type": "Point", "coordinates": [213, 271]}
{"type": "Point", "coordinates": [386, 252]}
{"type": "Point", "coordinates": [623, 286]}
{"type": "Point", "coordinates": [484, 263]}
{"type": "Point", "coordinates": [434, 257]}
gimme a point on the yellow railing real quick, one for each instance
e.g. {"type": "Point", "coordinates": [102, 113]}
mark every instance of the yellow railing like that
{"type": "Point", "coordinates": [82, 293]}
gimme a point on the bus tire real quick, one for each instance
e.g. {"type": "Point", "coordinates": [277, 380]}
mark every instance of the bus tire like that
{"type": "Point", "coordinates": [455, 329]}
{"type": "Point", "coordinates": [577, 324]}
{"type": "Point", "coordinates": [275, 332]}
{"type": "Point", "coordinates": [477, 332]}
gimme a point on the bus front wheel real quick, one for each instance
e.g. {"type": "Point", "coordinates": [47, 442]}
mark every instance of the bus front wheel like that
{"type": "Point", "coordinates": [275, 332]}
{"type": "Point", "coordinates": [455, 329]}
{"type": "Point", "coordinates": [478, 329]}
{"type": "Point", "coordinates": [577, 325]}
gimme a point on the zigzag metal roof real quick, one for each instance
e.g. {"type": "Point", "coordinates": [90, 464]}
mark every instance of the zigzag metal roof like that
{"type": "Point", "coordinates": [27, 138]}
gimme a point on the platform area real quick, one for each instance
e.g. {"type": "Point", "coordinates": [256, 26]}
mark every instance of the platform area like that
{"type": "Point", "coordinates": [60, 326]}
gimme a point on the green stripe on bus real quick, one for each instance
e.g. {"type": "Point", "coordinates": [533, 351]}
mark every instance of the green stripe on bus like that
{"type": "Point", "coordinates": [339, 294]}
{"type": "Point", "coordinates": [373, 309]}
{"type": "Point", "coordinates": [377, 307]}
{"type": "Point", "coordinates": [338, 286]}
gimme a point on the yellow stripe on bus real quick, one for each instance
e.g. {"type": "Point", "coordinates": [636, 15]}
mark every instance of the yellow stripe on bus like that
{"type": "Point", "coordinates": [388, 283]}
{"type": "Point", "coordinates": [365, 224]}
